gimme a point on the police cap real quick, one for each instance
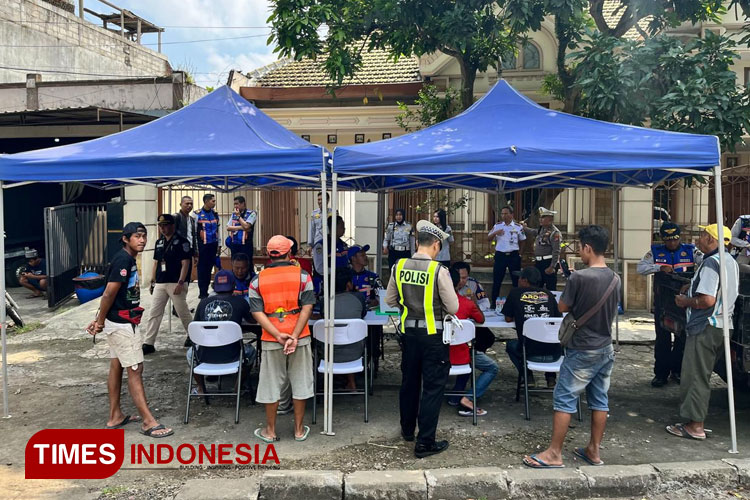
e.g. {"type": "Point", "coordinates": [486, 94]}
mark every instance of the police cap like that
{"type": "Point", "coordinates": [165, 219]}
{"type": "Point", "coordinates": [669, 231]}
{"type": "Point", "coordinates": [424, 226]}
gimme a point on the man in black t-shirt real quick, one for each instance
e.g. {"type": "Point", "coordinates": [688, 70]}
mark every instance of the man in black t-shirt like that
{"type": "Point", "coordinates": [34, 277]}
{"type": "Point", "coordinates": [168, 280]}
{"type": "Point", "coordinates": [118, 318]}
{"type": "Point", "coordinates": [223, 305]}
{"type": "Point", "coordinates": [531, 300]}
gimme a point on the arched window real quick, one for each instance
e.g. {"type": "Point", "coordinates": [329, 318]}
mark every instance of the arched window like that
{"type": "Point", "coordinates": [509, 61]}
{"type": "Point", "coordinates": [531, 59]}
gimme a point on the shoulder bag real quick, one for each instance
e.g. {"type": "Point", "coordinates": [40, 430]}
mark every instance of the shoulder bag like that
{"type": "Point", "coordinates": [570, 324]}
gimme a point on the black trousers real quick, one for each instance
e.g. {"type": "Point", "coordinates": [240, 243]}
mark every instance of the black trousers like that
{"type": "Point", "coordinates": [247, 249]}
{"type": "Point", "coordinates": [504, 260]}
{"type": "Point", "coordinates": [550, 280]}
{"type": "Point", "coordinates": [425, 365]}
{"type": "Point", "coordinates": [206, 262]}
{"type": "Point", "coordinates": [394, 255]}
{"type": "Point", "coordinates": [667, 354]}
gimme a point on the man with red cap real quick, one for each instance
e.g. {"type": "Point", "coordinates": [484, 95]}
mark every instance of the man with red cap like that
{"type": "Point", "coordinates": [281, 301]}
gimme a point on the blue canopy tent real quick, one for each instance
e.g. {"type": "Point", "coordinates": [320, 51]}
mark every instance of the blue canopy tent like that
{"type": "Point", "coordinates": [221, 142]}
{"type": "Point", "coordinates": [505, 142]}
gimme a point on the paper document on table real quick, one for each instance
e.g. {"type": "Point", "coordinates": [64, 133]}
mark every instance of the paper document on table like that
{"type": "Point", "coordinates": [385, 308]}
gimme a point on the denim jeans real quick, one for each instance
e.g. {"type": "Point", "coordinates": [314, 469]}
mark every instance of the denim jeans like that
{"type": "Point", "coordinates": [584, 371]}
{"type": "Point", "coordinates": [488, 368]}
{"type": "Point", "coordinates": [515, 353]}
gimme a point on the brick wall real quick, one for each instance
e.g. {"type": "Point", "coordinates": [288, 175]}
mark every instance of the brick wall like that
{"type": "Point", "coordinates": [49, 38]}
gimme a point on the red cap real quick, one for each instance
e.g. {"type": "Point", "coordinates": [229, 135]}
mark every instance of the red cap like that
{"type": "Point", "coordinates": [279, 245]}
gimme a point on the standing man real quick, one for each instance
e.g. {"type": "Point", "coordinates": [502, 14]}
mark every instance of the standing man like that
{"type": "Point", "coordinates": [185, 226]}
{"type": "Point", "coordinates": [241, 227]}
{"type": "Point", "coordinates": [281, 301]}
{"type": "Point", "coordinates": [315, 225]}
{"type": "Point", "coordinates": [507, 234]}
{"type": "Point", "coordinates": [34, 278]}
{"type": "Point", "coordinates": [672, 256]}
{"type": "Point", "coordinates": [168, 280]}
{"type": "Point", "coordinates": [589, 355]}
{"type": "Point", "coordinates": [423, 290]}
{"type": "Point", "coordinates": [705, 335]}
{"type": "Point", "coordinates": [546, 247]}
{"type": "Point", "coordinates": [398, 242]}
{"type": "Point", "coordinates": [118, 318]}
{"type": "Point", "coordinates": [741, 239]}
{"type": "Point", "coordinates": [208, 242]}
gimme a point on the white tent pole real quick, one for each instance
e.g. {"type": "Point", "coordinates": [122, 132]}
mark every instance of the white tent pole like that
{"type": "Point", "coordinates": [169, 305]}
{"type": "Point", "coordinates": [332, 291]}
{"type": "Point", "coordinates": [616, 243]}
{"type": "Point", "coordinates": [725, 305]}
{"type": "Point", "coordinates": [379, 234]}
{"type": "Point", "coordinates": [6, 413]}
{"type": "Point", "coordinates": [326, 304]}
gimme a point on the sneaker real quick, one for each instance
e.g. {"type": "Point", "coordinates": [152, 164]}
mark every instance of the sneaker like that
{"type": "Point", "coordinates": [659, 382]}
{"type": "Point", "coordinates": [284, 411]}
{"type": "Point", "coordinates": [422, 451]}
{"type": "Point", "coordinates": [148, 349]}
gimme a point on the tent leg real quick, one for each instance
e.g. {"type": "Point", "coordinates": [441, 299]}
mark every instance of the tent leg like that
{"type": "Point", "coordinates": [380, 231]}
{"type": "Point", "coordinates": [3, 331]}
{"type": "Point", "coordinates": [616, 247]}
{"type": "Point", "coordinates": [332, 292]}
{"type": "Point", "coordinates": [326, 307]}
{"type": "Point", "coordinates": [725, 306]}
{"type": "Point", "coordinates": [169, 304]}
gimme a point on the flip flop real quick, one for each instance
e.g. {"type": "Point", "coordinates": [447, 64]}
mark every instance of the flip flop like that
{"type": "Point", "coordinates": [125, 421]}
{"type": "Point", "coordinates": [680, 431]}
{"type": "Point", "coordinates": [150, 432]}
{"type": "Point", "coordinates": [540, 464]}
{"type": "Point", "coordinates": [258, 433]}
{"type": "Point", "coordinates": [465, 411]}
{"type": "Point", "coordinates": [581, 453]}
{"type": "Point", "coordinates": [304, 434]}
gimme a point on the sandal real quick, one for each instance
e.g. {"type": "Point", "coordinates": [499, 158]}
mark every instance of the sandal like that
{"type": "Point", "coordinates": [540, 464]}
{"type": "Point", "coordinates": [465, 411]}
{"type": "Point", "coordinates": [259, 434]}
{"type": "Point", "coordinates": [150, 432]}
{"type": "Point", "coordinates": [680, 431]}
{"type": "Point", "coordinates": [581, 453]}
{"type": "Point", "coordinates": [125, 421]}
{"type": "Point", "coordinates": [304, 434]}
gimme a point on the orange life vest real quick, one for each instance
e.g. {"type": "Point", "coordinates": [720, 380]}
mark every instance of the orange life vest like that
{"type": "Point", "coordinates": [279, 286]}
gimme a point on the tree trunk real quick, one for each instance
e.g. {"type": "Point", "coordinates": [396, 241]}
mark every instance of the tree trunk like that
{"type": "Point", "coordinates": [468, 77]}
{"type": "Point", "coordinates": [571, 94]}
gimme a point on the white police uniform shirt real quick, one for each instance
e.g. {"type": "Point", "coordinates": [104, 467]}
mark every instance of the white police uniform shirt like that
{"type": "Point", "coordinates": [315, 226]}
{"type": "Point", "coordinates": [510, 239]}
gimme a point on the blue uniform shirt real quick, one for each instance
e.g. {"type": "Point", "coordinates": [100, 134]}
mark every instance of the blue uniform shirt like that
{"type": "Point", "coordinates": [365, 282]}
{"type": "Point", "coordinates": [208, 226]}
{"type": "Point", "coordinates": [682, 259]}
{"type": "Point", "coordinates": [242, 237]}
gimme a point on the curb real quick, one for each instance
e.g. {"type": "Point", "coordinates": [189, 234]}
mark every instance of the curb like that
{"type": "Point", "coordinates": [477, 482]}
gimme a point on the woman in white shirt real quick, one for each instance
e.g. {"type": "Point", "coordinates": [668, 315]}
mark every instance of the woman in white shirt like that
{"type": "Point", "coordinates": [444, 257]}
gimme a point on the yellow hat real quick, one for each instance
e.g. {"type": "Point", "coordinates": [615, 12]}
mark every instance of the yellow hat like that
{"type": "Point", "coordinates": [713, 231]}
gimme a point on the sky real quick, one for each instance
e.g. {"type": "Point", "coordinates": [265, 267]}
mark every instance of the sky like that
{"type": "Point", "coordinates": [193, 20]}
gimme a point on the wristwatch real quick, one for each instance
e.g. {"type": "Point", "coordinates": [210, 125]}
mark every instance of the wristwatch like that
{"type": "Point", "coordinates": [181, 282]}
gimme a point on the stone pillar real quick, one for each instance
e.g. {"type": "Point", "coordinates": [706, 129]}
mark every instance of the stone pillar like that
{"type": "Point", "coordinates": [141, 206]}
{"type": "Point", "coordinates": [690, 209]}
{"type": "Point", "coordinates": [636, 220]}
{"type": "Point", "coordinates": [32, 91]}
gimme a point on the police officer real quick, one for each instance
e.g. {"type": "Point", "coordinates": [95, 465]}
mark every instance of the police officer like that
{"type": "Point", "coordinates": [508, 235]}
{"type": "Point", "coordinates": [672, 256]}
{"type": "Point", "coordinates": [422, 289]}
{"type": "Point", "coordinates": [741, 239]}
{"type": "Point", "coordinates": [241, 227]}
{"type": "Point", "coordinates": [315, 225]}
{"type": "Point", "coordinates": [168, 279]}
{"type": "Point", "coordinates": [398, 242]}
{"type": "Point", "coordinates": [546, 247]}
{"type": "Point", "coordinates": [208, 242]}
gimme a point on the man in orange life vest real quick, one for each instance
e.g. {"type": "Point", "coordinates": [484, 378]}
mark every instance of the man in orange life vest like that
{"type": "Point", "coordinates": [281, 301]}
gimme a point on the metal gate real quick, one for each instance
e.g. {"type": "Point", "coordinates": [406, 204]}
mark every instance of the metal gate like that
{"type": "Point", "coordinates": [75, 241]}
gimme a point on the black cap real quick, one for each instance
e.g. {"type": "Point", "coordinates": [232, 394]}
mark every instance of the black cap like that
{"type": "Point", "coordinates": [133, 227]}
{"type": "Point", "coordinates": [165, 219]}
{"type": "Point", "coordinates": [530, 274]}
{"type": "Point", "coordinates": [669, 231]}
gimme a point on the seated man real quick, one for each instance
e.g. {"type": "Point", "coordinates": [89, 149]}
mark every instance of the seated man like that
{"type": "Point", "coordinates": [242, 274]}
{"type": "Point", "coordinates": [223, 305]}
{"type": "Point", "coordinates": [468, 309]}
{"type": "Point", "coordinates": [531, 300]}
{"type": "Point", "coordinates": [35, 276]}
{"type": "Point", "coordinates": [367, 282]}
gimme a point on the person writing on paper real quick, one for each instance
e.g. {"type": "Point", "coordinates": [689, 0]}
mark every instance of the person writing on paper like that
{"type": "Point", "coordinates": [422, 289]}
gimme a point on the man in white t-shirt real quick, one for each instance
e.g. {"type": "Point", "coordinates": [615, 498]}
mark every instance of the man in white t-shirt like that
{"type": "Point", "coordinates": [507, 235]}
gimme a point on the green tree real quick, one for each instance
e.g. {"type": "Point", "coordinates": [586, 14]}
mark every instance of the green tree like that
{"type": "Point", "coordinates": [429, 108]}
{"type": "Point", "coordinates": [475, 32]}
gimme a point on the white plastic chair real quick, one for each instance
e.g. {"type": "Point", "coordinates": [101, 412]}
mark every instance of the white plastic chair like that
{"type": "Point", "coordinates": [465, 335]}
{"type": "Point", "coordinates": [543, 330]}
{"type": "Point", "coordinates": [345, 332]}
{"type": "Point", "coordinates": [215, 334]}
